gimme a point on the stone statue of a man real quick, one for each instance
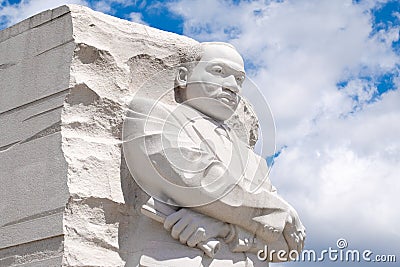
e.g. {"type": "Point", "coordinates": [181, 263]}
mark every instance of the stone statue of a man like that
{"type": "Point", "coordinates": [185, 156]}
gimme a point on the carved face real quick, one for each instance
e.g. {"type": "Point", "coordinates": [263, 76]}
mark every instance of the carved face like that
{"type": "Point", "coordinates": [214, 83]}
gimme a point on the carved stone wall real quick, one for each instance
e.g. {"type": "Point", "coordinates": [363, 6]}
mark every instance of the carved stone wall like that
{"type": "Point", "coordinates": [66, 75]}
{"type": "Point", "coordinates": [35, 59]}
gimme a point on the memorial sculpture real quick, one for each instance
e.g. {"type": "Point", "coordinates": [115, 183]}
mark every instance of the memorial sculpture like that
{"type": "Point", "coordinates": [208, 187]}
{"type": "Point", "coordinates": [67, 76]}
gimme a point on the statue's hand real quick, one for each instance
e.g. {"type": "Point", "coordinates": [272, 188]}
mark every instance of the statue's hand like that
{"type": "Point", "coordinates": [192, 228]}
{"type": "Point", "coordinates": [294, 232]}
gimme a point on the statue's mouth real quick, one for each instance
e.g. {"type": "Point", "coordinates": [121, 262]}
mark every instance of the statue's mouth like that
{"type": "Point", "coordinates": [228, 97]}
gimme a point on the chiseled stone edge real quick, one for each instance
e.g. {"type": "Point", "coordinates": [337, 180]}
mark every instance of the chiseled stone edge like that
{"type": "Point", "coordinates": [45, 227]}
{"type": "Point", "coordinates": [33, 22]}
{"type": "Point", "coordinates": [43, 252]}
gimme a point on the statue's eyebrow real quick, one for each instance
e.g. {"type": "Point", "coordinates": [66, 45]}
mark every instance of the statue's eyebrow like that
{"type": "Point", "coordinates": [225, 65]}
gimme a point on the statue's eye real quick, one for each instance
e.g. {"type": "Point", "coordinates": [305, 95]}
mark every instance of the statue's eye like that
{"type": "Point", "coordinates": [217, 69]}
{"type": "Point", "coordinates": [239, 79]}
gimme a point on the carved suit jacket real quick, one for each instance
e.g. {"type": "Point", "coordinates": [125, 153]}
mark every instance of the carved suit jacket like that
{"type": "Point", "coordinates": [170, 150]}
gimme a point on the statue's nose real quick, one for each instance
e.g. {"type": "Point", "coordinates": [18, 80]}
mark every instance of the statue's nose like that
{"type": "Point", "coordinates": [231, 84]}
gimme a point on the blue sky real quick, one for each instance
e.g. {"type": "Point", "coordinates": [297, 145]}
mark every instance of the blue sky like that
{"type": "Point", "coordinates": [330, 72]}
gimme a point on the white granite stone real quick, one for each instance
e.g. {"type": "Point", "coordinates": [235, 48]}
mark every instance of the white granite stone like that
{"type": "Point", "coordinates": [33, 178]}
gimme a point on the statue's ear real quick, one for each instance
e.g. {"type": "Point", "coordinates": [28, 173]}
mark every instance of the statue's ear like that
{"type": "Point", "coordinates": [181, 76]}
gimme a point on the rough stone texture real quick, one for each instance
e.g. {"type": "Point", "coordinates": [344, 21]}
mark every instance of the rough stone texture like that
{"type": "Point", "coordinates": [66, 76]}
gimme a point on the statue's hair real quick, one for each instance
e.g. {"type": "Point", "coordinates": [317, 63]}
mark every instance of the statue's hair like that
{"type": "Point", "coordinates": [193, 53]}
{"type": "Point", "coordinates": [190, 53]}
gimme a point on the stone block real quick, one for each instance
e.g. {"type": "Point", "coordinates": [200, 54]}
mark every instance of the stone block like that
{"type": "Point", "coordinates": [33, 177]}
{"type": "Point", "coordinates": [41, 76]}
{"type": "Point", "coordinates": [45, 252]}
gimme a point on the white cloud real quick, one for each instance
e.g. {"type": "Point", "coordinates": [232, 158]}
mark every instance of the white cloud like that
{"type": "Point", "coordinates": [340, 166]}
{"type": "Point", "coordinates": [102, 6]}
{"type": "Point", "coordinates": [347, 169]}
{"type": "Point", "coordinates": [108, 6]}
{"type": "Point", "coordinates": [137, 17]}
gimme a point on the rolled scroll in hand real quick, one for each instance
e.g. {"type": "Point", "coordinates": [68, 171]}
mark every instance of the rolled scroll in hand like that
{"type": "Point", "coordinates": [159, 211]}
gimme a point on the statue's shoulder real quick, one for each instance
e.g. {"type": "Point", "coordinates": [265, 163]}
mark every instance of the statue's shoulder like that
{"type": "Point", "coordinates": [158, 109]}
{"type": "Point", "coordinates": [141, 106]}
